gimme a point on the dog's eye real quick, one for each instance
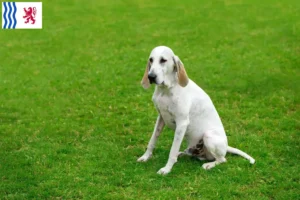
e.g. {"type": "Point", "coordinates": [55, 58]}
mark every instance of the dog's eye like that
{"type": "Point", "coordinates": [163, 60]}
{"type": "Point", "coordinates": [151, 60]}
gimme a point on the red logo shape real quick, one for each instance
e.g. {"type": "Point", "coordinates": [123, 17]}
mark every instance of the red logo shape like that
{"type": "Point", "coordinates": [30, 14]}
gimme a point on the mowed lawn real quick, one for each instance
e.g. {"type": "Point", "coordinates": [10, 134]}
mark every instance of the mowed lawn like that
{"type": "Point", "coordinates": [74, 118]}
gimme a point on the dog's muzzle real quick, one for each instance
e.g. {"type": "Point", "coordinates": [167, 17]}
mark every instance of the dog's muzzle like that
{"type": "Point", "coordinates": [152, 78]}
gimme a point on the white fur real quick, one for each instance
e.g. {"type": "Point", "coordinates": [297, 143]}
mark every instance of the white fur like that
{"type": "Point", "coordinates": [187, 110]}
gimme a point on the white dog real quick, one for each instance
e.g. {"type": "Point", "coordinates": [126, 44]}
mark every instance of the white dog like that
{"type": "Point", "coordinates": [184, 107]}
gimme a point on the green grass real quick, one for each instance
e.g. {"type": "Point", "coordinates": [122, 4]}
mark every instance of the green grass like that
{"type": "Point", "coordinates": [74, 118]}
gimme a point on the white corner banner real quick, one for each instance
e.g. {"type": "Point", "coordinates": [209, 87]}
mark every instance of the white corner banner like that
{"type": "Point", "coordinates": [22, 15]}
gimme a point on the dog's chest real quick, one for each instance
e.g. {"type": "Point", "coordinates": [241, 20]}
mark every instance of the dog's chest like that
{"type": "Point", "coordinates": [166, 106]}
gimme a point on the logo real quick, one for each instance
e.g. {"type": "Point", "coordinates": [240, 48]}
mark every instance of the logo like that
{"type": "Point", "coordinates": [21, 15]}
{"type": "Point", "coordinates": [30, 14]}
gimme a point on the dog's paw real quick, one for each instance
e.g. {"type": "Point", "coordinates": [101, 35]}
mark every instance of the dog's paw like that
{"type": "Point", "coordinates": [144, 158]}
{"type": "Point", "coordinates": [164, 171]}
{"type": "Point", "coordinates": [208, 166]}
{"type": "Point", "coordinates": [181, 153]}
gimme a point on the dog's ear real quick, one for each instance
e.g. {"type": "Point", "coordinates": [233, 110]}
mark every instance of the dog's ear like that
{"type": "Point", "coordinates": [145, 81]}
{"type": "Point", "coordinates": [183, 79]}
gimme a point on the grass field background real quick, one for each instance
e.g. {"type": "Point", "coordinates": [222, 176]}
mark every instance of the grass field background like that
{"type": "Point", "coordinates": [74, 118]}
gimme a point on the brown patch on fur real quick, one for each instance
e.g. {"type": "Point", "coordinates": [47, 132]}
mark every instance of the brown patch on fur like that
{"type": "Point", "coordinates": [198, 150]}
{"type": "Point", "coordinates": [145, 81]}
{"type": "Point", "coordinates": [183, 79]}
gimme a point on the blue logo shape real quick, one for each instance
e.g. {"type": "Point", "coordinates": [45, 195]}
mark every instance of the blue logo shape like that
{"type": "Point", "coordinates": [4, 15]}
{"type": "Point", "coordinates": [14, 15]}
{"type": "Point", "coordinates": [10, 20]}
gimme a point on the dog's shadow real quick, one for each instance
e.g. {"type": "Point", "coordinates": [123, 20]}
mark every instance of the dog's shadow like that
{"type": "Point", "coordinates": [186, 159]}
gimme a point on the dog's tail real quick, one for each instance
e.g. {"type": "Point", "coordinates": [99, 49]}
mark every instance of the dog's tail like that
{"type": "Point", "coordinates": [241, 153]}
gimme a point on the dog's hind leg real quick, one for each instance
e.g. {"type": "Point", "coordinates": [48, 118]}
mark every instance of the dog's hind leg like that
{"type": "Point", "coordinates": [216, 146]}
{"type": "Point", "coordinates": [184, 153]}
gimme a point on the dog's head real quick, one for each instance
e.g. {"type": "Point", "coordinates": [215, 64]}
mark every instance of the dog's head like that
{"type": "Point", "coordinates": [164, 68]}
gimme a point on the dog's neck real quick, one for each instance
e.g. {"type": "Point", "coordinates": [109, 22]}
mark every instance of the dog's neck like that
{"type": "Point", "coordinates": [166, 89]}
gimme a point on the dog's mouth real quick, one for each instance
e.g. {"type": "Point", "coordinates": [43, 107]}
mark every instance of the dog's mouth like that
{"type": "Point", "coordinates": [161, 84]}
{"type": "Point", "coordinates": [153, 81]}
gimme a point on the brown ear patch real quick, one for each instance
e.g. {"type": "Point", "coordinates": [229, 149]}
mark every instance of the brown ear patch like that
{"type": "Point", "coordinates": [183, 78]}
{"type": "Point", "coordinates": [145, 81]}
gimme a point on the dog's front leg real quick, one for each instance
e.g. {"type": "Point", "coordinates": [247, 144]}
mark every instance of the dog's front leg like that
{"type": "Point", "coordinates": [151, 145]}
{"type": "Point", "coordinates": [179, 134]}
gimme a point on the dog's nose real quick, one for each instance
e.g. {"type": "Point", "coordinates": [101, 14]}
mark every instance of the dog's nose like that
{"type": "Point", "coordinates": [152, 78]}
